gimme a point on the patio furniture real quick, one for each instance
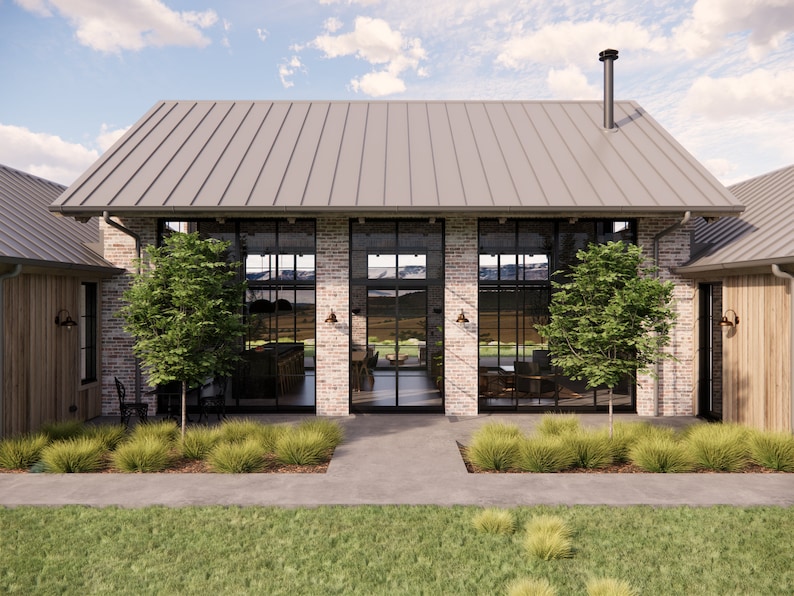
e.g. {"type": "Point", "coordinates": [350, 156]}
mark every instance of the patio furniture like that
{"type": "Point", "coordinates": [128, 408]}
{"type": "Point", "coordinates": [215, 399]}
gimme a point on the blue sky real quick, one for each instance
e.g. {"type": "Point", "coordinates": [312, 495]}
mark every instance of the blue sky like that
{"type": "Point", "coordinates": [717, 74]}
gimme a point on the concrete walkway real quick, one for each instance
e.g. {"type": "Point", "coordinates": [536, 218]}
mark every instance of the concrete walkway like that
{"type": "Point", "coordinates": [406, 459]}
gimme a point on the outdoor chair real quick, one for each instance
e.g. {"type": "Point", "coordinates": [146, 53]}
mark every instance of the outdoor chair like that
{"type": "Point", "coordinates": [215, 399]}
{"type": "Point", "coordinates": [128, 408]}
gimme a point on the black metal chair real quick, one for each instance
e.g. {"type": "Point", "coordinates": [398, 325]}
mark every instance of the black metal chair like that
{"type": "Point", "coordinates": [128, 408]}
{"type": "Point", "coordinates": [216, 399]}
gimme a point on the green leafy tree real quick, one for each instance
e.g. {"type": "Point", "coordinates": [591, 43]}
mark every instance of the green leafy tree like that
{"type": "Point", "coordinates": [183, 309]}
{"type": "Point", "coordinates": [611, 319]}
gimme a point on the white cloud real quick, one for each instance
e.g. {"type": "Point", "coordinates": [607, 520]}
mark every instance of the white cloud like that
{"type": "Point", "coordinates": [108, 136]}
{"type": "Point", "coordinates": [753, 93]}
{"type": "Point", "coordinates": [351, 2]}
{"type": "Point", "coordinates": [332, 25]}
{"type": "Point", "coordinates": [130, 25]}
{"type": "Point", "coordinates": [44, 155]}
{"type": "Point", "coordinates": [767, 21]}
{"type": "Point", "coordinates": [374, 41]}
{"type": "Point", "coordinates": [262, 34]}
{"type": "Point", "coordinates": [571, 83]}
{"type": "Point", "coordinates": [289, 68]}
{"type": "Point", "coordinates": [574, 43]}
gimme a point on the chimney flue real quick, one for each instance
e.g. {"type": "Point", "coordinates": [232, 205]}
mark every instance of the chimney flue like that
{"type": "Point", "coordinates": [608, 57]}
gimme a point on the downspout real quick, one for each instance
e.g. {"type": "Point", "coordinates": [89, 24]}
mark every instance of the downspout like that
{"type": "Point", "coordinates": [656, 239]}
{"type": "Point", "coordinates": [137, 238]}
{"type": "Point", "coordinates": [778, 272]}
{"type": "Point", "coordinates": [14, 272]}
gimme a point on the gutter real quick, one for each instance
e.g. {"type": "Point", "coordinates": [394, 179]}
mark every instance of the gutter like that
{"type": "Point", "coordinates": [137, 238]}
{"type": "Point", "coordinates": [778, 272]}
{"type": "Point", "coordinates": [656, 240]}
{"type": "Point", "coordinates": [14, 273]}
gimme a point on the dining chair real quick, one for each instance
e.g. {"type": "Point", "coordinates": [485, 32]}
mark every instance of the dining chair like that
{"type": "Point", "coordinates": [128, 408]}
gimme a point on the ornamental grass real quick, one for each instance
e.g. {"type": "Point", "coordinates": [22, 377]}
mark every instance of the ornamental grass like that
{"type": "Point", "coordinates": [111, 435]}
{"type": "Point", "coordinates": [558, 424]}
{"type": "Point", "coordinates": [64, 429]}
{"type": "Point", "coordinates": [592, 450]}
{"type": "Point", "coordinates": [548, 537]}
{"type": "Point", "coordinates": [240, 430]}
{"type": "Point", "coordinates": [163, 430]}
{"type": "Point", "coordinates": [544, 454]}
{"type": "Point", "coordinates": [78, 454]}
{"type": "Point", "coordinates": [493, 452]}
{"type": "Point", "coordinates": [607, 586]}
{"type": "Point", "coordinates": [657, 453]}
{"type": "Point", "coordinates": [531, 586]}
{"type": "Point", "coordinates": [143, 454]}
{"type": "Point", "coordinates": [303, 447]}
{"type": "Point", "coordinates": [494, 521]}
{"type": "Point", "coordinates": [238, 457]}
{"type": "Point", "coordinates": [19, 453]}
{"type": "Point", "coordinates": [497, 429]}
{"type": "Point", "coordinates": [720, 447]}
{"type": "Point", "coordinates": [772, 450]}
{"type": "Point", "coordinates": [199, 441]}
{"type": "Point", "coordinates": [330, 429]}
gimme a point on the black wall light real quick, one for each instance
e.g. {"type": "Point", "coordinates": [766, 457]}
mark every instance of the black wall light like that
{"type": "Point", "coordinates": [67, 322]}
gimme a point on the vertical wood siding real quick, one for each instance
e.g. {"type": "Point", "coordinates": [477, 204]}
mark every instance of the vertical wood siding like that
{"type": "Point", "coordinates": [756, 353]}
{"type": "Point", "coordinates": [41, 372]}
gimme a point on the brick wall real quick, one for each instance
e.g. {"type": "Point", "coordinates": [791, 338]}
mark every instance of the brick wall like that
{"type": "Point", "coordinates": [460, 341]}
{"type": "Point", "coordinates": [333, 341]}
{"type": "Point", "coordinates": [677, 384]}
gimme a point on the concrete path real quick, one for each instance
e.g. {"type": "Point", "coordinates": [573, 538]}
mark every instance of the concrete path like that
{"type": "Point", "coordinates": [408, 459]}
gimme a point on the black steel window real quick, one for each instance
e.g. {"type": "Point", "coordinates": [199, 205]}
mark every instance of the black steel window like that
{"type": "Point", "coordinates": [88, 332]}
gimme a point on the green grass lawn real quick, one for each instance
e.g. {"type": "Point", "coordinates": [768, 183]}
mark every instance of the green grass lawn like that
{"type": "Point", "coordinates": [386, 550]}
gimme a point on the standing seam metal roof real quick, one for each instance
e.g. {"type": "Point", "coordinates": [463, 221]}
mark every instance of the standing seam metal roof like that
{"type": "Point", "coordinates": [263, 157]}
{"type": "Point", "coordinates": [764, 234]}
{"type": "Point", "coordinates": [29, 234]}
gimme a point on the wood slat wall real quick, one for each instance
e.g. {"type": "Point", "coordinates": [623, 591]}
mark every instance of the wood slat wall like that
{"type": "Point", "coordinates": [757, 352]}
{"type": "Point", "coordinates": [41, 372]}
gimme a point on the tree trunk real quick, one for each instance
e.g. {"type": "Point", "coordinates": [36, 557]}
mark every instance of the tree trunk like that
{"type": "Point", "coordinates": [610, 413]}
{"type": "Point", "coordinates": [184, 408]}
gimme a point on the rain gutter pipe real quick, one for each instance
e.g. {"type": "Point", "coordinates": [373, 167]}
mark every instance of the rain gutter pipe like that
{"type": "Point", "coordinates": [778, 272]}
{"type": "Point", "coordinates": [13, 273]}
{"type": "Point", "coordinates": [137, 238]}
{"type": "Point", "coordinates": [656, 240]}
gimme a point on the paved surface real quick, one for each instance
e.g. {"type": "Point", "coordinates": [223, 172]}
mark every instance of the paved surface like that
{"type": "Point", "coordinates": [402, 459]}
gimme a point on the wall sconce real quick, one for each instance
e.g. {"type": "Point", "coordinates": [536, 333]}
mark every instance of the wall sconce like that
{"type": "Point", "coordinates": [462, 318]}
{"type": "Point", "coordinates": [437, 311]}
{"type": "Point", "coordinates": [331, 318]}
{"type": "Point", "coordinates": [725, 322]}
{"type": "Point", "coordinates": [356, 311]}
{"type": "Point", "coordinates": [68, 322]}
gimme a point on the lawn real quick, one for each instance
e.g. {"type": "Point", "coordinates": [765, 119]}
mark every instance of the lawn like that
{"type": "Point", "coordinates": [386, 550]}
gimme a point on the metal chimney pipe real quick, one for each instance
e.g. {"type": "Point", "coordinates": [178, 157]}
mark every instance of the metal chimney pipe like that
{"type": "Point", "coordinates": [608, 57]}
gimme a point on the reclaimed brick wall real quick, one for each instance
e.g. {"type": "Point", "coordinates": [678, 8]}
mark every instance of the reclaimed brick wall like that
{"type": "Point", "coordinates": [117, 359]}
{"type": "Point", "coordinates": [677, 382]}
{"type": "Point", "coordinates": [332, 346]}
{"type": "Point", "coordinates": [461, 293]}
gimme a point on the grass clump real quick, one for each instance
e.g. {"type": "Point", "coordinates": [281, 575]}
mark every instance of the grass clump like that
{"type": "Point", "coordinates": [329, 428]}
{"type": "Point", "coordinates": [720, 447]}
{"type": "Point", "coordinates": [531, 586]}
{"type": "Point", "coordinates": [494, 521]}
{"type": "Point", "coordinates": [19, 453]}
{"type": "Point", "coordinates": [627, 434]}
{"type": "Point", "coordinates": [608, 586]}
{"type": "Point", "coordinates": [657, 453]}
{"type": "Point", "coordinates": [239, 457]}
{"type": "Point", "coordinates": [303, 447]}
{"type": "Point", "coordinates": [773, 450]}
{"type": "Point", "coordinates": [111, 435]}
{"type": "Point", "coordinates": [199, 441]}
{"type": "Point", "coordinates": [548, 538]}
{"type": "Point", "coordinates": [493, 451]}
{"type": "Point", "coordinates": [592, 450]}
{"type": "Point", "coordinates": [269, 434]}
{"type": "Point", "coordinates": [62, 430]}
{"type": "Point", "coordinates": [145, 454]}
{"type": "Point", "coordinates": [165, 431]}
{"type": "Point", "coordinates": [544, 454]}
{"type": "Point", "coordinates": [558, 424]}
{"type": "Point", "coordinates": [78, 454]}
{"type": "Point", "coordinates": [496, 429]}
{"type": "Point", "coordinates": [240, 430]}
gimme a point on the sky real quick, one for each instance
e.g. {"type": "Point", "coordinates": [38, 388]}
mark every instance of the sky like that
{"type": "Point", "coordinates": [75, 74]}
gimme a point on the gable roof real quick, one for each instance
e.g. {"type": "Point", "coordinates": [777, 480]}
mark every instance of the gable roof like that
{"type": "Point", "coordinates": [30, 235]}
{"type": "Point", "coordinates": [762, 236]}
{"type": "Point", "coordinates": [251, 158]}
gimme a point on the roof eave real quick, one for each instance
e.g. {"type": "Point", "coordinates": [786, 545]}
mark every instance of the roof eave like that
{"type": "Point", "coordinates": [735, 268]}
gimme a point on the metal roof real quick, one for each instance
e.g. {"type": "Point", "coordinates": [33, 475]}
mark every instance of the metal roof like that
{"type": "Point", "coordinates": [763, 235]}
{"type": "Point", "coordinates": [31, 235]}
{"type": "Point", "coordinates": [249, 158]}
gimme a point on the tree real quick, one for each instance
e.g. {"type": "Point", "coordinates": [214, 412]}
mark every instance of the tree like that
{"type": "Point", "coordinates": [184, 312]}
{"type": "Point", "coordinates": [611, 320]}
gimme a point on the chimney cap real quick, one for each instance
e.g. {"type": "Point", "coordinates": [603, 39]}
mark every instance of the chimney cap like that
{"type": "Point", "coordinates": [608, 55]}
